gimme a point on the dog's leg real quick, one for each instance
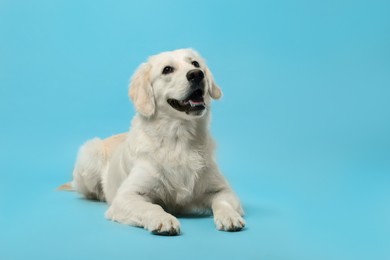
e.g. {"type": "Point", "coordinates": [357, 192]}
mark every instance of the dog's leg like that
{"type": "Point", "coordinates": [91, 161]}
{"type": "Point", "coordinates": [87, 173]}
{"type": "Point", "coordinates": [133, 205]}
{"type": "Point", "coordinates": [227, 211]}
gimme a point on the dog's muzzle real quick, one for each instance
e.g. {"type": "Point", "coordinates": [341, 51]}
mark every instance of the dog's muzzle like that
{"type": "Point", "coordinates": [194, 102]}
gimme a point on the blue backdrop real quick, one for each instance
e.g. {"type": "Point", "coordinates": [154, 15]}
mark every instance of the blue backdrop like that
{"type": "Point", "coordinates": [303, 129]}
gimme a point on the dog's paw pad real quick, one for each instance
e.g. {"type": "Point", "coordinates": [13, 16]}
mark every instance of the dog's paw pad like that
{"type": "Point", "coordinates": [165, 226]}
{"type": "Point", "coordinates": [229, 221]}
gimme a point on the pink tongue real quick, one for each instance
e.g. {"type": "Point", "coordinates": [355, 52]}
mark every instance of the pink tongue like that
{"type": "Point", "coordinates": [196, 102]}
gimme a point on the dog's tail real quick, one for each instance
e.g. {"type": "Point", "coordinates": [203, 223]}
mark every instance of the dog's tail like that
{"type": "Point", "coordinates": [66, 187]}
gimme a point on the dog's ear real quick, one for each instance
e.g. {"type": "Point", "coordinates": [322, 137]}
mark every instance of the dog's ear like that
{"type": "Point", "coordinates": [214, 91]}
{"type": "Point", "coordinates": [141, 91]}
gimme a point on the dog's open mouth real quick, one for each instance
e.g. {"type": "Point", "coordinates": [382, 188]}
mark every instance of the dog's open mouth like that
{"type": "Point", "coordinates": [194, 102]}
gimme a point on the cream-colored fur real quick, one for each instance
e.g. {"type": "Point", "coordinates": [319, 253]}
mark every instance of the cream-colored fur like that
{"type": "Point", "coordinates": [164, 166]}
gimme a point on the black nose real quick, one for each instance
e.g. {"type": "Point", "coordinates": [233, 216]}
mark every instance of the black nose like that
{"type": "Point", "coordinates": [195, 76]}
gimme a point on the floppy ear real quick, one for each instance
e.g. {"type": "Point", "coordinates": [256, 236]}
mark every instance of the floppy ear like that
{"type": "Point", "coordinates": [141, 91]}
{"type": "Point", "coordinates": [214, 91]}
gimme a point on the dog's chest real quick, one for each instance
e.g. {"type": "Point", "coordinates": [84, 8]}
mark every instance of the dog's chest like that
{"type": "Point", "coordinates": [180, 166]}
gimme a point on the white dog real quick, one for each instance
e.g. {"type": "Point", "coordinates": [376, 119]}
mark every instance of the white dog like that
{"type": "Point", "coordinates": [165, 165]}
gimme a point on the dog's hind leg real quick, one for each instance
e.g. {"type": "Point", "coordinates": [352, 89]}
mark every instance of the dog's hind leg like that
{"type": "Point", "coordinates": [90, 164]}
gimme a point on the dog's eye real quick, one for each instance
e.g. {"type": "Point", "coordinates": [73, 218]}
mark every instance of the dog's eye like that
{"type": "Point", "coordinates": [167, 70]}
{"type": "Point", "coordinates": [195, 63]}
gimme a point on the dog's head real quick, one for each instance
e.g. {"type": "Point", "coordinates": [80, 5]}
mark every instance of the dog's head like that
{"type": "Point", "coordinates": [177, 83]}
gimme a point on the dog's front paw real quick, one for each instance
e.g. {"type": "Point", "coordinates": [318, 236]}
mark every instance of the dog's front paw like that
{"type": "Point", "coordinates": [229, 220]}
{"type": "Point", "coordinates": [165, 225]}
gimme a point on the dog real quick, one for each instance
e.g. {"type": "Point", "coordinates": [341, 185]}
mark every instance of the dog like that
{"type": "Point", "coordinates": [164, 166]}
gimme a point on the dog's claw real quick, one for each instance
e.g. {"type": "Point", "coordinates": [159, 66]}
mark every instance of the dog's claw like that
{"type": "Point", "coordinates": [171, 232]}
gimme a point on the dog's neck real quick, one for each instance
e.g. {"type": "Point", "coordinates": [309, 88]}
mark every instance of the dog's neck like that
{"type": "Point", "coordinates": [184, 130]}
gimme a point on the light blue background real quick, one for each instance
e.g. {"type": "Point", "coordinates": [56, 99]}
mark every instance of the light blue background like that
{"type": "Point", "coordinates": [303, 129]}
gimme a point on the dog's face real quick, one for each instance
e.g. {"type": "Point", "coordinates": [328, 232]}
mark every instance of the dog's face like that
{"type": "Point", "coordinates": [177, 83]}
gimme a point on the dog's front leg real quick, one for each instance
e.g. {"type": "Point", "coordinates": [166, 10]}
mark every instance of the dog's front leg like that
{"type": "Point", "coordinates": [133, 205]}
{"type": "Point", "coordinates": [227, 211]}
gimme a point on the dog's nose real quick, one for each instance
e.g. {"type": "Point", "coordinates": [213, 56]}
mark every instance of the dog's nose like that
{"type": "Point", "coordinates": [195, 76]}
